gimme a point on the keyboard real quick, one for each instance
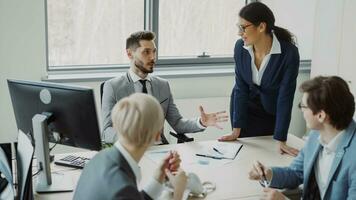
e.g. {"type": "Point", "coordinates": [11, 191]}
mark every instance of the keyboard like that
{"type": "Point", "coordinates": [72, 161]}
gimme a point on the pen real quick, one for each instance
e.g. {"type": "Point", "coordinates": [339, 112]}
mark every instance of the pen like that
{"type": "Point", "coordinates": [215, 149]}
{"type": "Point", "coordinates": [163, 151]}
{"type": "Point", "coordinates": [264, 178]}
{"type": "Point", "coordinates": [207, 156]}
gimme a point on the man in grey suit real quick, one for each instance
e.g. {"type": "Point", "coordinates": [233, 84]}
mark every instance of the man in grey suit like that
{"type": "Point", "coordinates": [114, 172]}
{"type": "Point", "coordinates": [141, 50]}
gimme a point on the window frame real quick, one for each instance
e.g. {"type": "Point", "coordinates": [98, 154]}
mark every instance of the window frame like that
{"type": "Point", "coordinates": [166, 67]}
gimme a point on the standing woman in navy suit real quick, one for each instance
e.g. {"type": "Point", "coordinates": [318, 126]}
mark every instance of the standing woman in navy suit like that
{"type": "Point", "coordinates": [267, 65]}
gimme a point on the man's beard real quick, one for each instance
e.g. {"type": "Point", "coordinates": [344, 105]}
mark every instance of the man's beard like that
{"type": "Point", "coordinates": [139, 65]}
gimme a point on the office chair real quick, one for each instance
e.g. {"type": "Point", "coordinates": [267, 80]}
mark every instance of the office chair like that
{"type": "Point", "coordinates": [181, 138]}
{"type": "Point", "coordinates": [101, 91]}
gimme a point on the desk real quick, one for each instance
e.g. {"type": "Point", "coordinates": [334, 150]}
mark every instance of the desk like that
{"type": "Point", "coordinates": [231, 179]}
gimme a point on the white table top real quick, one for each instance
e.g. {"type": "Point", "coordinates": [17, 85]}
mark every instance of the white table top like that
{"type": "Point", "coordinates": [231, 178]}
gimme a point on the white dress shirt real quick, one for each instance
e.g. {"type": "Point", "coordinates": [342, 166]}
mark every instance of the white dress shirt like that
{"type": "Point", "coordinates": [324, 161]}
{"type": "Point", "coordinates": [257, 74]}
{"type": "Point", "coordinates": [153, 188]}
{"type": "Point", "coordinates": [137, 84]}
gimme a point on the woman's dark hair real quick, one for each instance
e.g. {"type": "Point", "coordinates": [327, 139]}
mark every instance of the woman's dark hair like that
{"type": "Point", "coordinates": [331, 94]}
{"type": "Point", "coordinates": [257, 12]}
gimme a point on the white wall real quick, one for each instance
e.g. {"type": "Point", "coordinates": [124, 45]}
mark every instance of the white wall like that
{"type": "Point", "coordinates": [296, 16]}
{"type": "Point", "coordinates": [22, 52]}
{"type": "Point", "coordinates": [22, 56]}
{"type": "Point", "coordinates": [334, 46]}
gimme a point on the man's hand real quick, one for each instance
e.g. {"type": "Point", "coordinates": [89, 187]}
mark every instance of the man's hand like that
{"type": "Point", "coordinates": [212, 119]}
{"type": "Point", "coordinates": [272, 194]}
{"type": "Point", "coordinates": [285, 149]}
{"type": "Point", "coordinates": [257, 174]}
{"type": "Point", "coordinates": [231, 137]}
{"type": "Point", "coordinates": [171, 163]}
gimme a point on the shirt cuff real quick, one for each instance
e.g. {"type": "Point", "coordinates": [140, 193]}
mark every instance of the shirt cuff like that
{"type": "Point", "coordinates": [153, 188]}
{"type": "Point", "coordinates": [199, 124]}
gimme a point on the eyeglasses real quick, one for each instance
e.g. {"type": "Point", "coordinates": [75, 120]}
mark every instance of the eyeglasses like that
{"type": "Point", "coordinates": [301, 106]}
{"type": "Point", "coordinates": [242, 28]}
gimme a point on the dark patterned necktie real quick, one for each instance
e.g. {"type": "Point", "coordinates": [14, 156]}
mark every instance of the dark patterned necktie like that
{"type": "Point", "coordinates": [144, 88]}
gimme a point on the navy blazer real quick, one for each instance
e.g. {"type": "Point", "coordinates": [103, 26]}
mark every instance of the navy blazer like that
{"type": "Point", "coordinates": [276, 90]}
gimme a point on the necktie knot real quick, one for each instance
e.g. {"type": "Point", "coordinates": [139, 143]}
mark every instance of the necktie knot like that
{"type": "Point", "coordinates": [143, 81]}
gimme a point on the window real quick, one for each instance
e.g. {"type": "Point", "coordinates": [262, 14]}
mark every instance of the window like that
{"type": "Point", "coordinates": [93, 33]}
{"type": "Point", "coordinates": [187, 28]}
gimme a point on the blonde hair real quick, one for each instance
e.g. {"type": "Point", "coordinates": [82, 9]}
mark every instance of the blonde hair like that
{"type": "Point", "coordinates": [137, 118]}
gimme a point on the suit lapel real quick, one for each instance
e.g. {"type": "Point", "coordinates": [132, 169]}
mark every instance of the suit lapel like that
{"type": "Point", "coordinates": [129, 85]}
{"type": "Point", "coordinates": [156, 92]}
{"type": "Point", "coordinates": [120, 160]}
{"type": "Point", "coordinates": [246, 67]}
{"type": "Point", "coordinates": [267, 74]}
{"type": "Point", "coordinates": [155, 88]}
{"type": "Point", "coordinates": [315, 153]}
{"type": "Point", "coordinates": [349, 134]}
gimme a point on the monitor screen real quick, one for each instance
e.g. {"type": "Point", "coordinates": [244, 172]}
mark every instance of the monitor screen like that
{"type": "Point", "coordinates": [74, 116]}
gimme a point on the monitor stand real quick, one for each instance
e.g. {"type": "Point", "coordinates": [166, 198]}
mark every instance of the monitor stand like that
{"type": "Point", "coordinates": [47, 182]}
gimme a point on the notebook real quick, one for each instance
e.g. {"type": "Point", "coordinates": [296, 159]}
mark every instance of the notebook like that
{"type": "Point", "coordinates": [221, 150]}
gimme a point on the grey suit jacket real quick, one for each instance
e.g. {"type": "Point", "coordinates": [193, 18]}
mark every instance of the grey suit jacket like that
{"type": "Point", "coordinates": [123, 86]}
{"type": "Point", "coordinates": [108, 176]}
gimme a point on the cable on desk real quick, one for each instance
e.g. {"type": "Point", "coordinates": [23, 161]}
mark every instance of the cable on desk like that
{"type": "Point", "coordinates": [38, 171]}
{"type": "Point", "coordinates": [50, 149]}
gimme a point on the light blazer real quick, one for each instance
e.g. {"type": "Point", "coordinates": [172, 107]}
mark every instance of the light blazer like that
{"type": "Point", "coordinates": [276, 89]}
{"type": "Point", "coordinates": [342, 177]}
{"type": "Point", "coordinates": [108, 176]}
{"type": "Point", "coordinates": [123, 86]}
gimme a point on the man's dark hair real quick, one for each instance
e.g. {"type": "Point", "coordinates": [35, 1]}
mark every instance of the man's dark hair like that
{"type": "Point", "coordinates": [331, 94]}
{"type": "Point", "coordinates": [133, 42]}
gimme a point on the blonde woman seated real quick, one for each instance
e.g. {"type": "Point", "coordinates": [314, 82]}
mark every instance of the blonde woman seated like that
{"type": "Point", "coordinates": [114, 172]}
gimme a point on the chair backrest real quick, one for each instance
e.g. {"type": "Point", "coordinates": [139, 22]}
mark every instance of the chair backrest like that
{"type": "Point", "coordinates": [101, 92]}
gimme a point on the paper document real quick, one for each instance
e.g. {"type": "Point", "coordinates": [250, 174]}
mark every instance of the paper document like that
{"type": "Point", "coordinates": [205, 153]}
{"type": "Point", "coordinates": [221, 150]}
{"type": "Point", "coordinates": [158, 155]}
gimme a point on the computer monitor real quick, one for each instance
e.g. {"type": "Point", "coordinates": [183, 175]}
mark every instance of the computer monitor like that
{"type": "Point", "coordinates": [60, 113]}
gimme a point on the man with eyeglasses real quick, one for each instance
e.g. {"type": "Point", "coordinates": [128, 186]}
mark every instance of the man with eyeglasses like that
{"type": "Point", "coordinates": [326, 166]}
